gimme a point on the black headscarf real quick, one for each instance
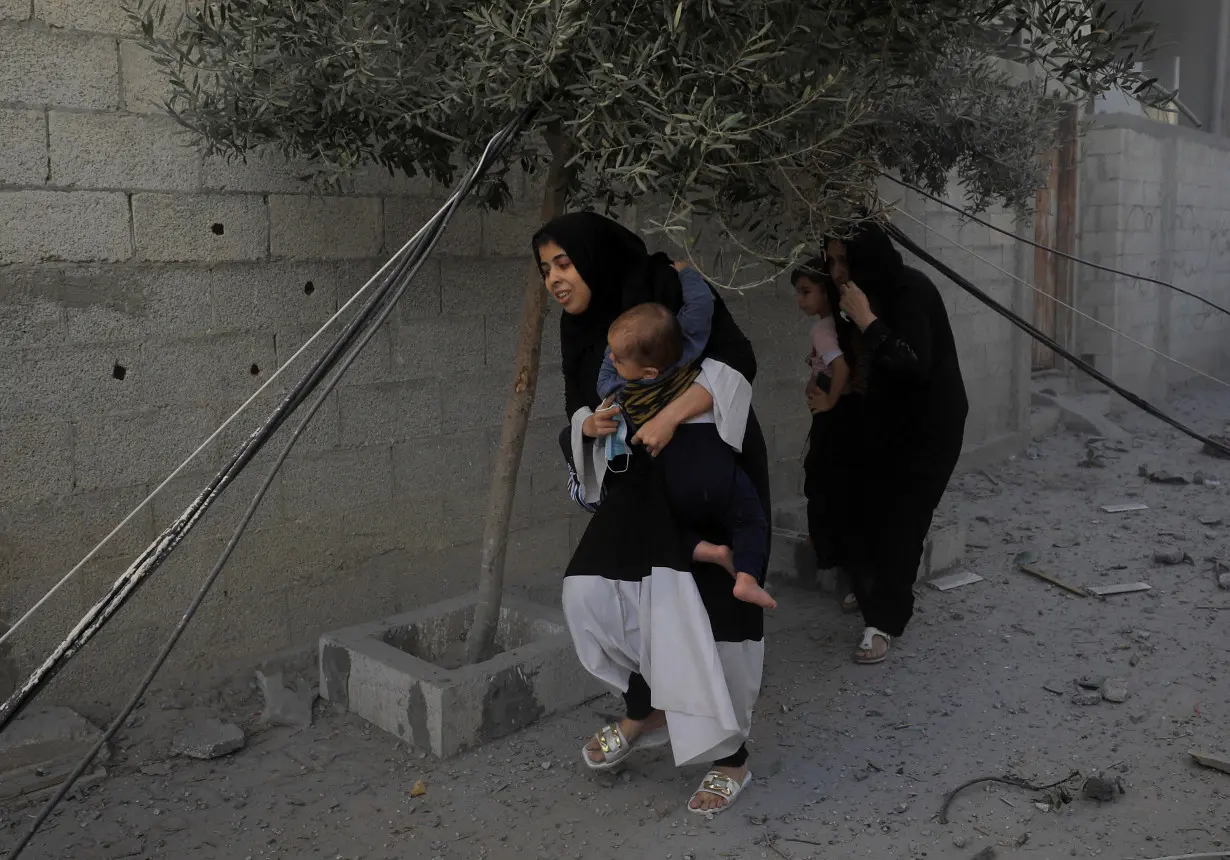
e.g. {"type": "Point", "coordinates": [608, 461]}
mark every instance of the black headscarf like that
{"type": "Point", "coordinates": [620, 273]}
{"type": "Point", "coordinates": [875, 265]}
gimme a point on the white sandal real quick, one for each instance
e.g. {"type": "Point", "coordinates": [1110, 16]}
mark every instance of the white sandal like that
{"type": "Point", "coordinates": [868, 645]}
{"type": "Point", "coordinates": [720, 785]}
{"type": "Point", "coordinates": [615, 747]}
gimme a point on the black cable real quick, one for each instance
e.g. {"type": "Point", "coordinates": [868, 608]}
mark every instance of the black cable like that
{"type": "Point", "coordinates": [912, 246]}
{"type": "Point", "coordinates": [153, 557]}
{"type": "Point", "coordinates": [1110, 270]}
{"type": "Point", "coordinates": [421, 250]}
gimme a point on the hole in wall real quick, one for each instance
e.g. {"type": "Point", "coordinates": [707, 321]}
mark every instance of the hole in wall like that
{"type": "Point", "coordinates": [217, 229]}
{"type": "Point", "coordinates": [255, 370]}
{"type": "Point", "coordinates": [119, 372]}
{"type": "Point", "coordinates": [309, 288]}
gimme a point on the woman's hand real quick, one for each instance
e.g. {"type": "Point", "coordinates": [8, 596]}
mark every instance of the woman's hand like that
{"type": "Point", "coordinates": [680, 265]}
{"type": "Point", "coordinates": [656, 434]}
{"type": "Point", "coordinates": [601, 423]}
{"type": "Point", "coordinates": [818, 402]}
{"type": "Point", "coordinates": [854, 303]}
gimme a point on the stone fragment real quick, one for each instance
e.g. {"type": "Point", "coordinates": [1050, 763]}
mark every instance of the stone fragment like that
{"type": "Point", "coordinates": [285, 706]}
{"type": "Point", "coordinates": [209, 739]}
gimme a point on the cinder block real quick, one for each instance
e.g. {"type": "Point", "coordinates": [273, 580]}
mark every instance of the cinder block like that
{"type": "Point", "coordinates": [508, 234]}
{"type": "Point", "coordinates": [219, 371]}
{"type": "Point", "coordinates": [43, 226]}
{"type": "Point", "coordinates": [371, 366]}
{"type": "Point", "coordinates": [152, 153]}
{"type": "Point", "coordinates": [280, 296]}
{"type": "Point", "coordinates": [14, 10]}
{"type": "Point", "coordinates": [390, 412]}
{"type": "Point", "coordinates": [206, 227]}
{"type": "Point", "coordinates": [104, 452]}
{"type": "Point", "coordinates": [337, 481]}
{"type": "Point", "coordinates": [109, 304]}
{"type": "Point", "coordinates": [405, 216]}
{"type": "Point", "coordinates": [54, 534]}
{"type": "Point", "coordinates": [146, 86]}
{"type": "Point", "coordinates": [472, 286]}
{"type": "Point", "coordinates": [390, 674]}
{"type": "Point", "coordinates": [36, 461]}
{"type": "Point", "coordinates": [404, 525]}
{"type": "Point", "coordinates": [102, 16]}
{"type": "Point", "coordinates": [474, 402]}
{"type": "Point", "coordinates": [57, 68]}
{"type": "Point", "coordinates": [31, 311]}
{"type": "Point", "coordinates": [24, 133]}
{"type": "Point", "coordinates": [329, 228]}
{"type": "Point", "coordinates": [265, 171]}
{"type": "Point", "coordinates": [454, 465]}
{"type": "Point", "coordinates": [445, 346]}
{"type": "Point", "coordinates": [57, 383]}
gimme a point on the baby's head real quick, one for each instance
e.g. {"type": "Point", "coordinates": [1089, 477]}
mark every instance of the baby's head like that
{"type": "Point", "coordinates": [811, 282]}
{"type": "Point", "coordinates": [645, 342]}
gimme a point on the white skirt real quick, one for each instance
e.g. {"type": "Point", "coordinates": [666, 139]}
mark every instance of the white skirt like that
{"type": "Point", "coordinates": [658, 627]}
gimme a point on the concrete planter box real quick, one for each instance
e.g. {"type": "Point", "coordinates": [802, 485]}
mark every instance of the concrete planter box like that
{"type": "Point", "coordinates": [390, 673]}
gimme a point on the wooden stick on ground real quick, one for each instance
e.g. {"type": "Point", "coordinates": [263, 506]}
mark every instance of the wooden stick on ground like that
{"type": "Point", "coordinates": [1043, 575]}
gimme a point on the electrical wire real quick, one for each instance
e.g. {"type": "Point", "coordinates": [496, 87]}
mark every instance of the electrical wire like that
{"type": "Point", "coordinates": [948, 272]}
{"type": "Point", "coordinates": [1101, 268]}
{"type": "Point", "coordinates": [153, 557]}
{"type": "Point", "coordinates": [1062, 304]}
{"type": "Point", "coordinates": [437, 226]}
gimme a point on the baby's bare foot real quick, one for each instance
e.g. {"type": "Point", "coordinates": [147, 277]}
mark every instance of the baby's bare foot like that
{"type": "Point", "coordinates": [749, 590]}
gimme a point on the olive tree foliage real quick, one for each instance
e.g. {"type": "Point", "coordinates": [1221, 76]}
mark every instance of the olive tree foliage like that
{"type": "Point", "coordinates": [766, 118]}
{"type": "Point", "coordinates": [765, 121]}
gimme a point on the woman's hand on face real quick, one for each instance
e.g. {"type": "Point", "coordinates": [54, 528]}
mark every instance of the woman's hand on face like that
{"type": "Point", "coordinates": [854, 303]}
{"type": "Point", "coordinates": [601, 423]}
{"type": "Point", "coordinates": [656, 434]}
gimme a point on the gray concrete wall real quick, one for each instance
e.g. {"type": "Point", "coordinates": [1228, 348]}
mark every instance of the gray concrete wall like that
{"type": "Point", "coordinates": [145, 292]}
{"type": "Point", "coordinates": [1155, 199]}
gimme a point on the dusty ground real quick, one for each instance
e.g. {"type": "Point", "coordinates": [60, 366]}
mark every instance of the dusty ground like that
{"type": "Point", "coordinates": [854, 760]}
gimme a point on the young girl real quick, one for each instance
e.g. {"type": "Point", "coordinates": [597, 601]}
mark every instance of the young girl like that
{"type": "Point", "coordinates": [828, 381]}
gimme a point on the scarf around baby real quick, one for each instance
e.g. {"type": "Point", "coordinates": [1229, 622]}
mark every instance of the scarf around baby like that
{"type": "Point", "coordinates": [642, 401]}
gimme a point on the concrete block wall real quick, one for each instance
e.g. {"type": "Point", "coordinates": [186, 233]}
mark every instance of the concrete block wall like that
{"type": "Point", "coordinates": [1154, 200]}
{"type": "Point", "coordinates": [147, 291]}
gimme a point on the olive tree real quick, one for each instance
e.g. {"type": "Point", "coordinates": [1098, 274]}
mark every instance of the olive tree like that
{"type": "Point", "coordinates": [768, 120]}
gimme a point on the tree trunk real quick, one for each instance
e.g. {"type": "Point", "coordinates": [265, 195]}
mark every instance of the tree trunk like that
{"type": "Point", "coordinates": [481, 637]}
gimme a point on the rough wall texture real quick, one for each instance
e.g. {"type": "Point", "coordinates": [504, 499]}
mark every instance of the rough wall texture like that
{"type": "Point", "coordinates": [146, 292]}
{"type": "Point", "coordinates": [1155, 199]}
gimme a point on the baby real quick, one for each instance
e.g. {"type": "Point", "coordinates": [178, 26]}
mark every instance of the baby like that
{"type": "Point", "coordinates": [656, 351]}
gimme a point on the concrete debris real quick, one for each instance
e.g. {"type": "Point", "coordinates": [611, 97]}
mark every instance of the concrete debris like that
{"type": "Point", "coordinates": [1086, 699]}
{"type": "Point", "coordinates": [285, 706]}
{"type": "Point", "coordinates": [1124, 509]}
{"type": "Point", "coordinates": [1115, 690]}
{"type": "Point", "coordinates": [1210, 760]}
{"type": "Point", "coordinates": [1127, 588]}
{"type": "Point", "coordinates": [1101, 789]}
{"type": "Point", "coordinates": [1091, 683]}
{"type": "Point", "coordinates": [41, 748]}
{"type": "Point", "coordinates": [1171, 557]}
{"type": "Point", "coordinates": [954, 580]}
{"type": "Point", "coordinates": [209, 739]}
{"type": "Point", "coordinates": [418, 789]}
{"type": "Point", "coordinates": [1223, 582]}
{"type": "Point", "coordinates": [1212, 520]}
{"type": "Point", "coordinates": [987, 853]}
{"type": "Point", "coordinates": [1161, 476]}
